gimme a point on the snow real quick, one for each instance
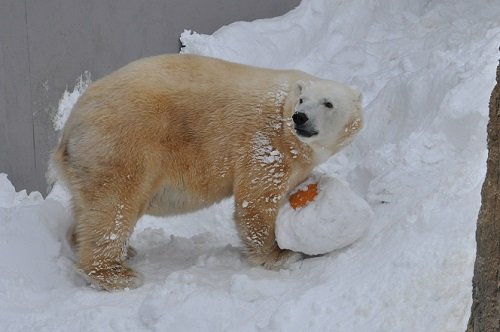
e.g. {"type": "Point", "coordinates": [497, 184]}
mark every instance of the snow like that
{"type": "Point", "coordinates": [336, 218]}
{"type": "Point", "coordinates": [68, 99]}
{"type": "Point", "coordinates": [264, 153]}
{"type": "Point", "coordinates": [426, 69]}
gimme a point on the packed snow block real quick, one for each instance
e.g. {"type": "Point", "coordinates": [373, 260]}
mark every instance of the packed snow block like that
{"type": "Point", "coordinates": [322, 215]}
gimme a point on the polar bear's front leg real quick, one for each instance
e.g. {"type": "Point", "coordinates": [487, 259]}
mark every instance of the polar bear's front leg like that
{"type": "Point", "coordinates": [255, 216]}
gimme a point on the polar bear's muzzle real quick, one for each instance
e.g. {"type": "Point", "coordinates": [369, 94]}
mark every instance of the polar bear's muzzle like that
{"type": "Point", "coordinates": [303, 126]}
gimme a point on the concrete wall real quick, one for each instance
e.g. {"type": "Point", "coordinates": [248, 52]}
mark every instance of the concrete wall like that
{"type": "Point", "coordinates": [46, 45]}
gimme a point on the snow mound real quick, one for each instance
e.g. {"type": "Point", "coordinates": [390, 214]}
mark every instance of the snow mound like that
{"type": "Point", "coordinates": [335, 219]}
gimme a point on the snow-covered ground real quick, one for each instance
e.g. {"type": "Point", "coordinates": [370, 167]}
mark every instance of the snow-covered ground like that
{"type": "Point", "coordinates": [426, 69]}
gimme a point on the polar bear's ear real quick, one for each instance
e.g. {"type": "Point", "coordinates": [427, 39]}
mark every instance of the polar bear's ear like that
{"type": "Point", "coordinates": [359, 96]}
{"type": "Point", "coordinates": [299, 85]}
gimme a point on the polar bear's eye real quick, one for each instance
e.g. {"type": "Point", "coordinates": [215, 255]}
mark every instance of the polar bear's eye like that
{"type": "Point", "coordinates": [301, 101]}
{"type": "Point", "coordinates": [328, 104]}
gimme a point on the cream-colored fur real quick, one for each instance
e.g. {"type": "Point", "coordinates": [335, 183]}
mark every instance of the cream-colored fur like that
{"type": "Point", "coordinates": [174, 133]}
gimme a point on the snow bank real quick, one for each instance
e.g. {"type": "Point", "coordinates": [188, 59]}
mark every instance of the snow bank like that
{"type": "Point", "coordinates": [426, 70]}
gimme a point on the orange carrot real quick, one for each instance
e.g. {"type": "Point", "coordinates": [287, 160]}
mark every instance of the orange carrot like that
{"type": "Point", "coordinates": [302, 198]}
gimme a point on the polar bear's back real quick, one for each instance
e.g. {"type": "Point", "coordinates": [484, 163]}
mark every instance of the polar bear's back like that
{"type": "Point", "coordinates": [196, 75]}
{"type": "Point", "coordinates": [198, 89]}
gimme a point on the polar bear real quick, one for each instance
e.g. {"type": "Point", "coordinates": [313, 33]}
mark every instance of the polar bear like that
{"type": "Point", "coordinates": [171, 134]}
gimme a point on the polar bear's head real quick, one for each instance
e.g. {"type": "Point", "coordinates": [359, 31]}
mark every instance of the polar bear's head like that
{"type": "Point", "coordinates": [327, 115]}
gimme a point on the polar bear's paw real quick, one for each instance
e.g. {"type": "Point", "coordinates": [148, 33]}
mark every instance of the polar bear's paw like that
{"type": "Point", "coordinates": [276, 258]}
{"type": "Point", "coordinates": [111, 278]}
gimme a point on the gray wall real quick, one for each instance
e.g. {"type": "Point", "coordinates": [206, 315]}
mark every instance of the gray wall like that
{"type": "Point", "coordinates": [45, 45]}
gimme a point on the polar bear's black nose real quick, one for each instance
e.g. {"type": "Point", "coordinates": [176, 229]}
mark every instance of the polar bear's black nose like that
{"type": "Point", "coordinates": [299, 118]}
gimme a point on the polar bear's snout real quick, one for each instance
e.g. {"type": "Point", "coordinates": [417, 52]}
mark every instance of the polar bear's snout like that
{"type": "Point", "coordinates": [299, 118]}
{"type": "Point", "coordinates": [303, 126]}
